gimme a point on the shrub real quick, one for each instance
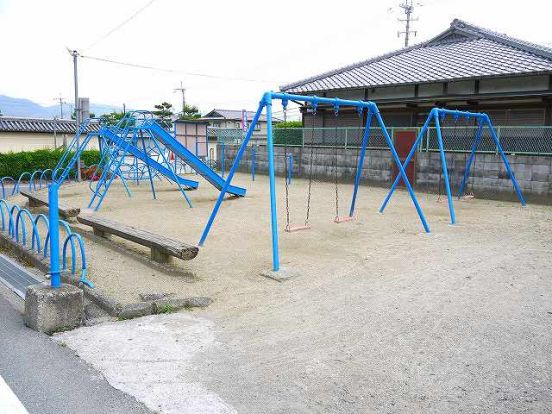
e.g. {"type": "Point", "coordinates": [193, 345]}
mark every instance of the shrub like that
{"type": "Point", "coordinates": [15, 163]}
{"type": "Point", "coordinates": [288, 133]}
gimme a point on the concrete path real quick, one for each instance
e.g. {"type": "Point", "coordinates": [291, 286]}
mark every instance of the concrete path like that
{"type": "Point", "coordinates": [48, 378]}
{"type": "Point", "coordinates": [152, 358]}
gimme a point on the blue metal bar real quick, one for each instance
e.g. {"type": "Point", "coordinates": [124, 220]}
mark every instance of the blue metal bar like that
{"type": "Point", "coordinates": [505, 160]}
{"type": "Point", "coordinates": [190, 159]}
{"type": "Point", "coordinates": [148, 167]}
{"type": "Point", "coordinates": [55, 276]}
{"type": "Point", "coordinates": [401, 169]}
{"type": "Point", "coordinates": [290, 168]}
{"type": "Point", "coordinates": [5, 204]}
{"type": "Point", "coordinates": [36, 237]}
{"type": "Point", "coordinates": [476, 141]}
{"type": "Point", "coordinates": [365, 140]}
{"type": "Point", "coordinates": [273, 218]}
{"type": "Point", "coordinates": [233, 169]}
{"type": "Point", "coordinates": [444, 166]}
{"type": "Point", "coordinates": [11, 225]}
{"type": "Point", "coordinates": [20, 219]}
{"type": "Point", "coordinates": [168, 164]}
{"type": "Point", "coordinates": [407, 160]}
{"type": "Point", "coordinates": [223, 156]}
{"type": "Point", "coordinates": [253, 162]}
{"type": "Point", "coordinates": [43, 175]}
{"type": "Point", "coordinates": [32, 186]}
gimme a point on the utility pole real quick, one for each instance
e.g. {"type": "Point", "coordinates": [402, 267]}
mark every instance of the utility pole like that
{"type": "Point", "coordinates": [408, 8]}
{"type": "Point", "coordinates": [61, 103]}
{"type": "Point", "coordinates": [75, 55]}
{"type": "Point", "coordinates": [183, 90]}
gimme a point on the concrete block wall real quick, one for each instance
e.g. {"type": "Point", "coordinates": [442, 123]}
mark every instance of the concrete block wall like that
{"type": "Point", "coordinates": [488, 176]}
{"type": "Point", "coordinates": [377, 164]}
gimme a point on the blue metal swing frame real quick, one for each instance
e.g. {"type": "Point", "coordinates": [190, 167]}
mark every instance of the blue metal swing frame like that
{"type": "Point", "coordinates": [436, 115]}
{"type": "Point", "coordinates": [266, 104]}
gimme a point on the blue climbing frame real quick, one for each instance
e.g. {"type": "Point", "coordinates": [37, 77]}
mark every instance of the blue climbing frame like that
{"type": "Point", "coordinates": [437, 115]}
{"type": "Point", "coordinates": [266, 104]}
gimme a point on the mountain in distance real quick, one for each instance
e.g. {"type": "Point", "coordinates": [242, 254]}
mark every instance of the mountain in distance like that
{"type": "Point", "coordinates": [26, 108]}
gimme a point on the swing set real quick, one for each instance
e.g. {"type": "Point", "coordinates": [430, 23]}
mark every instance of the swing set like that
{"type": "Point", "coordinates": [437, 115]}
{"type": "Point", "coordinates": [288, 169]}
{"type": "Point", "coordinates": [362, 107]}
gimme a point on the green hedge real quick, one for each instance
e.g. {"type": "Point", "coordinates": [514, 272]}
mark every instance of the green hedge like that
{"type": "Point", "coordinates": [288, 136]}
{"type": "Point", "coordinates": [288, 133]}
{"type": "Point", "coordinates": [13, 164]}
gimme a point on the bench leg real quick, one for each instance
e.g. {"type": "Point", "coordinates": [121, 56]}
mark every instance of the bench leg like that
{"type": "Point", "coordinates": [101, 233]}
{"type": "Point", "coordinates": [159, 256]}
{"type": "Point", "coordinates": [34, 203]}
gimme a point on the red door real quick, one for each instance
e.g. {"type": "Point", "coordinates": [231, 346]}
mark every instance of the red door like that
{"type": "Point", "coordinates": [403, 144]}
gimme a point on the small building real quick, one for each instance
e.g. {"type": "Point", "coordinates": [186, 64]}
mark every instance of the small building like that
{"type": "Point", "coordinates": [227, 123]}
{"type": "Point", "coordinates": [465, 67]}
{"type": "Point", "coordinates": [28, 134]}
{"type": "Point", "coordinates": [193, 135]}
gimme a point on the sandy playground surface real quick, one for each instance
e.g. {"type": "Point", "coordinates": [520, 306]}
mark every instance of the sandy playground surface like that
{"type": "Point", "coordinates": [383, 317]}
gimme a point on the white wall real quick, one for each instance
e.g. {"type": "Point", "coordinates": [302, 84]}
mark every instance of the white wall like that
{"type": "Point", "coordinates": [29, 141]}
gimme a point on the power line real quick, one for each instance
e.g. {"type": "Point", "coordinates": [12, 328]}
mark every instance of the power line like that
{"type": "Point", "coordinates": [203, 75]}
{"type": "Point", "coordinates": [120, 25]}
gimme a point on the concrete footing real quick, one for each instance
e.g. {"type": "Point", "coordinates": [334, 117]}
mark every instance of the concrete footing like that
{"type": "Point", "coordinates": [281, 275]}
{"type": "Point", "coordinates": [53, 310]}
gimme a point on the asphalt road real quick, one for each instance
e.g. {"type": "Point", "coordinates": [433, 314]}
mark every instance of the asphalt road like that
{"type": "Point", "coordinates": [49, 378]}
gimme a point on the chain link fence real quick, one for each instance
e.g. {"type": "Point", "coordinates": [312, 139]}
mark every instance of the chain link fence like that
{"type": "Point", "coordinates": [514, 139]}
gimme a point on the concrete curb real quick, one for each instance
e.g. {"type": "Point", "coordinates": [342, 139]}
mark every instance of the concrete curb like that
{"type": "Point", "coordinates": [100, 298]}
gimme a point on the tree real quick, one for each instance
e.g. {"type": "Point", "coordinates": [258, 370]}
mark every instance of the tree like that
{"type": "Point", "coordinates": [163, 112]}
{"type": "Point", "coordinates": [113, 118]}
{"type": "Point", "coordinates": [189, 112]}
{"type": "Point", "coordinates": [74, 115]}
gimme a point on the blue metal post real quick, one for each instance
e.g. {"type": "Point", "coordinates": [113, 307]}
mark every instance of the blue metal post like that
{"type": "Point", "coordinates": [53, 213]}
{"type": "Point", "coordinates": [365, 140]}
{"type": "Point", "coordinates": [471, 158]}
{"type": "Point", "coordinates": [223, 155]}
{"type": "Point", "coordinates": [407, 160]}
{"type": "Point", "coordinates": [290, 168]}
{"type": "Point", "coordinates": [273, 219]}
{"type": "Point", "coordinates": [400, 167]}
{"type": "Point", "coordinates": [505, 160]}
{"type": "Point", "coordinates": [147, 166]}
{"type": "Point", "coordinates": [444, 166]}
{"type": "Point", "coordinates": [253, 162]}
{"type": "Point", "coordinates": [233, 169]}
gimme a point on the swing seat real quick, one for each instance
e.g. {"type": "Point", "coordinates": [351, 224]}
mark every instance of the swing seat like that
{"type": "Point", "coordinates": [467, 197]}
{"type": "Point", "coordinates": [343, 219]}
{"type": "Point", "coordinates": [292, 229]}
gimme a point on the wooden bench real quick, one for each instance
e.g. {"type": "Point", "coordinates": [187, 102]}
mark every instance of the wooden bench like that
{"type": "Point", "coordinates": [38, 199]}
{"type": "Point", "coordinates": [162, 248]}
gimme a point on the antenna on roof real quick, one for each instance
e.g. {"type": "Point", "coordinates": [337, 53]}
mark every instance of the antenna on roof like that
{"type": "Point", "coordinates": [408, 8]}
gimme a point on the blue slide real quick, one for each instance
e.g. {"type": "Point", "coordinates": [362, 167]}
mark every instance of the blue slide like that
{"type": "Point", "coordinates": [121, 143]}
{"type": "Point", "coordinates": [190, 158]}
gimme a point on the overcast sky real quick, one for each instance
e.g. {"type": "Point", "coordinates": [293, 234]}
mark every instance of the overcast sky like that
{"type": "Point", "coordinates": [269, 43]}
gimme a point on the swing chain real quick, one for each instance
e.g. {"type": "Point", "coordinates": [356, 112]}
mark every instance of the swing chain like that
{"type": "Point", "coordinates": [286, 170]}
{"type": "Point", "coordinates": [314, 113]}
{"type": "Point", "coordinates": [336, 154]}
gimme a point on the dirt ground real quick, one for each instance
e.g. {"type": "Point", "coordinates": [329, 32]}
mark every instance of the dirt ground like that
{"type": "Point", "coordinates": [382, 317]}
